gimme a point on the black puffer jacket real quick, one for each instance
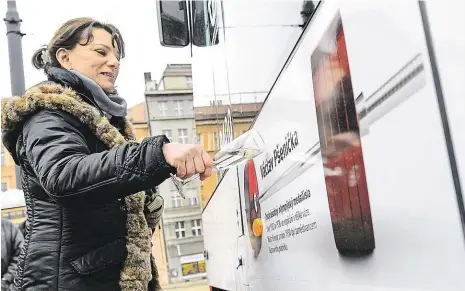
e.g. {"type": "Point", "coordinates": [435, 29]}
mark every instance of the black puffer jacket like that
{"type": "Point", "coordinates": [77, 170]}
{"type": "Point", "coordinates": [12, 240]}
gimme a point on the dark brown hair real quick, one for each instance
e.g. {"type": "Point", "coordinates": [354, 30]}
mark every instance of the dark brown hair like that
{"type": "Point", "coordinates": [71, 33]}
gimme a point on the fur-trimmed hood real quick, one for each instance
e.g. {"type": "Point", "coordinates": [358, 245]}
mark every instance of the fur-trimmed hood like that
{"type": "Point", "coordinates": [138, 269]}
{"type": "Point", "coordinates": [49, 95]}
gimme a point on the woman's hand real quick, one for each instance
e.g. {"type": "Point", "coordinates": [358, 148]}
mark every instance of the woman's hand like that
{"type": "Point", "coordinates": [188, 160]}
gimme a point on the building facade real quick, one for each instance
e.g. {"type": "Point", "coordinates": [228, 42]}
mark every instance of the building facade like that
{"type": "Point", "coordinates": [137, 115]}
{"type": "Point", "coordinates": [170, 110]}
{"type": "Point", "coordinates": [8, 171]}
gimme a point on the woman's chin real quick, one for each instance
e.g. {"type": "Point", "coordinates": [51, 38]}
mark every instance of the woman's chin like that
{"type": "Point", "coordinates": [107, 87]}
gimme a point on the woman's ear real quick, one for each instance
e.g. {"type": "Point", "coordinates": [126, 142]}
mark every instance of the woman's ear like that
{"type": "Point", "coordinates": [62, 55]}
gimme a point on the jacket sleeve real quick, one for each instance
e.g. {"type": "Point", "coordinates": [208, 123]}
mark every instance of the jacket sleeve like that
{"type": "Point", "coordinates": [16, 239]}
{"type": "Point", "coordinates": [70, 174]}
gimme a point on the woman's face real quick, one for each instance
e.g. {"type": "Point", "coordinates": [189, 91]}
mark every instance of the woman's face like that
{"type": "Point", "coordinates": [98, 60]}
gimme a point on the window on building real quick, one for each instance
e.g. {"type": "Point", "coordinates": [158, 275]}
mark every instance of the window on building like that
{"type": "Point", "coordinates": [199, 138]}
{"type": "Point", "coordinates": [215, 141]}
{"type": "Point", "coordinates": [176, 201]}
{"type": "Point", "coordinates": [180, 229]}
{"type": "Point", "coordinates": [179, 107]}
{"type": "Point", "coordinates": [193, 201]}
{"type": "Point", "coordinates": [182, 134]}
{"type": "Point", "coordinates": [189, 82]}
{"type": "Point", "coordinates": [4, 187]}
{"type": "Point", "coordinates": [210, 143]}
{"type": "Point", "coordinates": [209, 146]}
{"type": "Point", "coordinates": [196, 227]}
{"type": "Point", "coordinates": [163, 108]}
{"type": "Point", "coordinates": [168, 133]}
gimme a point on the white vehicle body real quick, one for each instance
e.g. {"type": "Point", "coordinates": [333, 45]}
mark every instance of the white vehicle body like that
{"type": "Point", "coordinates": [407, 78]}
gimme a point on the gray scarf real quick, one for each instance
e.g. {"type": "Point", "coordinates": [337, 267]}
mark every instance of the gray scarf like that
{"type": "Point", "coordinates": [111, 105]}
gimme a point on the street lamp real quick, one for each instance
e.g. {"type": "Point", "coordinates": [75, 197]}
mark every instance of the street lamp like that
{"type": "Point", "coordinates": [15, 52]}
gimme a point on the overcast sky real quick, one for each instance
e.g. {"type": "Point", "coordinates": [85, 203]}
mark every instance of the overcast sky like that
{"type": "Point", "coordinates": [138, 24]}
{"type": "Point", "coordinates": [260, 35]}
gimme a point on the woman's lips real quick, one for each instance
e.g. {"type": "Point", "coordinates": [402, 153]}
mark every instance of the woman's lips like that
{"type": "Point", "coordinates": [112, 76]}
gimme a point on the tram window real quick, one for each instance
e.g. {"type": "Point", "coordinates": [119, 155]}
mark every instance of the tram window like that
{"type": "Point", "coordinates": [205, 19]}
{"type": "Point", "coordinates": [172, 23]}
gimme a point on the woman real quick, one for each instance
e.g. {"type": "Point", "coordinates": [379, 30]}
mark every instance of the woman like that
{"type": "Point", "coordinates": [86, 181]}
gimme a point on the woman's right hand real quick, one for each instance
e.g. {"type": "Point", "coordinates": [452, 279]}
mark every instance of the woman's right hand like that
{"type": "Point", "coordinates": [188, 159]}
